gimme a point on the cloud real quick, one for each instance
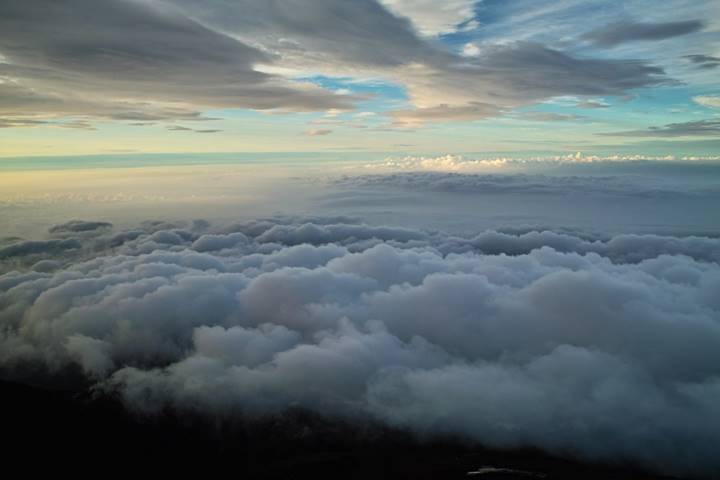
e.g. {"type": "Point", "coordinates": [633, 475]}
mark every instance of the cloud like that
{"type": "Point", "coordinates": [29, 105]}
{"type": "Point", "coordinates": [708, 101]}
{"type": "Point", "coordinates": [541, 339]}
{"type": "Point", "coordinates": [552, 117]}
{"type": "Point", "coordinates": [322, 32]}
{"type": "Point", "coordinates": [320, 234]}
{"type": "Point", "coordinates": [597, 164]}
{"type": "Point", "coordinates": [318, 132]}
{"type": "Point", "coordinates": [137, 62]}
{"type": "Point", "coordinates": [439, 181]}
{"type": "Point", "coordinates": [705, 62]}
{"type": "Point", "coordinates": [618, 33]}
{"type": "Point", "coordinates": [592, 104]}
{"type": "Point", "coordinates": [79, 226]}
{"type": "Point", "coordinates": [180, 128]}
{"type": "Point", "coordinates": [154, 63]}
{"type": "Point", "coordinates": [21, 122]}
{"type": "Point", "coordinates": [443, 113]}
{"type": "Point", "coordinates": [470, 50]}
{"type": "Point", "coordinates": [705, 128]}
{"type": "Point", "coordinates": [33, 247]}
{"type": "Point", "coordinates": [497, 79]}
{"type": "Point", "coordinates": [433, 18]}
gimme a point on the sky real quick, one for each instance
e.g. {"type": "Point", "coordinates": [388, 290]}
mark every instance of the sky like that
{"type": "Point", "coordinates": [412, 76]}
{"type": "Point", "coordinates": [497, 220]}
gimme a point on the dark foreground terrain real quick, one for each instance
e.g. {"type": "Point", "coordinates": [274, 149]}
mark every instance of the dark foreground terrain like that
{"type": "Point", "coordinates": [65, 432]}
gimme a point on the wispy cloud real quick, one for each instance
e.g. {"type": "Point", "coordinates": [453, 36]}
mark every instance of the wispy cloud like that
{"type": "Point", "coordinates": [552, 117]}
{"type": "Point", "coordinates": [180, 128]}
{"type": "Point", "coordinates": [618, 33]}
{"type": "Point", "coordinates": [704, 128]}
{"type": "Point", "coordinates": [706, 62]}
{"type": "Point", "coordinates": [318, 132]}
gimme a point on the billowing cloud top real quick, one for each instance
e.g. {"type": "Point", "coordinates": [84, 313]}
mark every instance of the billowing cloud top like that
{"type": "Point", "coordinates": [602, 348]}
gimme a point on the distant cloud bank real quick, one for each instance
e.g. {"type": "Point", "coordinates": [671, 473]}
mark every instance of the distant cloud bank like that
{"type": "Point", "coordinates": [499, 183]}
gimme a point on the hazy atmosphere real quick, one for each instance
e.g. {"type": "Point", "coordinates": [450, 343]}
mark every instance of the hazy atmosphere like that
{"type": "Point", "coordinates": [494, 222]}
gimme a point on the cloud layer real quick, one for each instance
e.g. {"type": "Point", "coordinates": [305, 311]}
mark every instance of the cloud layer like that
{"type": "Point", "coordinates": [173, 60]}
{"type": "Point", "coordinates": [605, 349]}
{"type": "Point", "coordinates": [584, 185]}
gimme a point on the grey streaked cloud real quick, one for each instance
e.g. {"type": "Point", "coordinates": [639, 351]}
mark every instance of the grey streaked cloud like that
{"type": "Point", "coordinates": [38, 247]}
{"type": "Point", "coordinates": [621, 32]}
{"type": "Point", "coordinates": [358, 33]}
{"type": "Point", "coordinates": [556, 73]}
{"type": "Point", "coordinates": [343, 319]}
{"type": "Point", "coordinates": [705, 128]}
{"type": "Point", "coordinates": [592, 104]}
{"type": "Point", "coordinates": [433, 18]}
{"type": "Point", "coordinates": [79, 226]}
{"type": "Point", "coordinates": [180, 128]}
{"type": "Point", "coordinates": [138, 63]}
{"type": "Point", "coordinates": [21, 122]}
{"type": "Point", "coordinates": [706, 62]}
{"type": "Point", "coordinates": [486, 85]}
{"type": "Point", "coordinates": [153, 63]}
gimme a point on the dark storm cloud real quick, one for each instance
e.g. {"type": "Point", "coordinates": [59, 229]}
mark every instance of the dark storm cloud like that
{"type": "Point", "coordinates": [618, 33]}
{"type": "Point", "coordinates": [704, 128]}
{"type": "Point", "coordinates": [65, 57]}
{"type": "Point", "coordinates": [552, 345]}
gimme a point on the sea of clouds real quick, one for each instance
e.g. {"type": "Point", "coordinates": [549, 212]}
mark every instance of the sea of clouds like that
{"type": "Point", "coordinates": [600, 347]}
